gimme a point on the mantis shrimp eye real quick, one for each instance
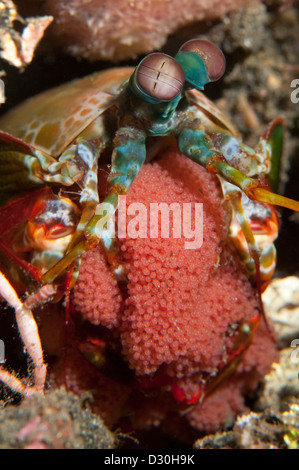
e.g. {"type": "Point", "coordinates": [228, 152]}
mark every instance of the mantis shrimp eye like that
{"type": "Point", "coordinates": [160, 77]}
{"type": "Point", "coordinates": [211, 54]}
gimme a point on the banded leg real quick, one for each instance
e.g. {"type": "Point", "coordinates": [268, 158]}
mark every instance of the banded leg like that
{"type": "Point", "coordinates": [79, 165]}
{"type": "Point", "coordinates": [253, 229]}
{"type": "Point", "coordinates": [257, 256]}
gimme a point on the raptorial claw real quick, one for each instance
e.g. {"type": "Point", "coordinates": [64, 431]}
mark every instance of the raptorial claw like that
{"type": "Point", "coordinates": [56, 140]}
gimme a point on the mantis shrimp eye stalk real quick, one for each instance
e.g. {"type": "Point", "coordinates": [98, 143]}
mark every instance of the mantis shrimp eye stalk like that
{"type": "Point", "coordinates": [202, 62]}
{"type": "Point", "coordinates": [159, 77]}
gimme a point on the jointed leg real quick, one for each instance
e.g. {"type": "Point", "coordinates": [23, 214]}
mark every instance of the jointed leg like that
{"type": "Point", "coordinates": [127, 159]}
{"type": "Point", "coordinates": [195, 145]}
{"type": "Point", "coordinates": [253, 231]}
{"type": "Point", "coordinates": [234, 196]}
{"type": "Point", "coordinates": [86, 161]}
{"type": "Point", "coordinates": [30, 336]}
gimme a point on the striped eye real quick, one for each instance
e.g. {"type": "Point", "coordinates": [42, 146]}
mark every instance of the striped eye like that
{"type": "Point", "coordinates": [211, 54]}
{"type": "Point", "coordinates": [160, 77]}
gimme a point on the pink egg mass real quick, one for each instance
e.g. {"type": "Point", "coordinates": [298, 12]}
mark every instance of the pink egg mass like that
{"type": "Point", "coordinates": [173, 325]}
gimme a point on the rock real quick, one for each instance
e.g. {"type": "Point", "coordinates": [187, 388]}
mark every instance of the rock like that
{"type": "Point", "coordinates": [281, 302]}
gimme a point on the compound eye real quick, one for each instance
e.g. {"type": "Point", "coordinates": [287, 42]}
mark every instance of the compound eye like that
{"type": "Point", "coordinates": [160, 76]}
{"type": "Point", "coordinates": [211, 54]}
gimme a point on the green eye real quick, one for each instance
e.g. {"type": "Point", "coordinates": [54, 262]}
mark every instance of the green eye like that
{"type": "Point", "coordinates": [158, 77]}
{"type": "Point", "coordinates": [202, 62]}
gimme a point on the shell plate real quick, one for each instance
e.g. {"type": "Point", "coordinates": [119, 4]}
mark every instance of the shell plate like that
{"type": "Point", "coordinates": [51, 120]}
